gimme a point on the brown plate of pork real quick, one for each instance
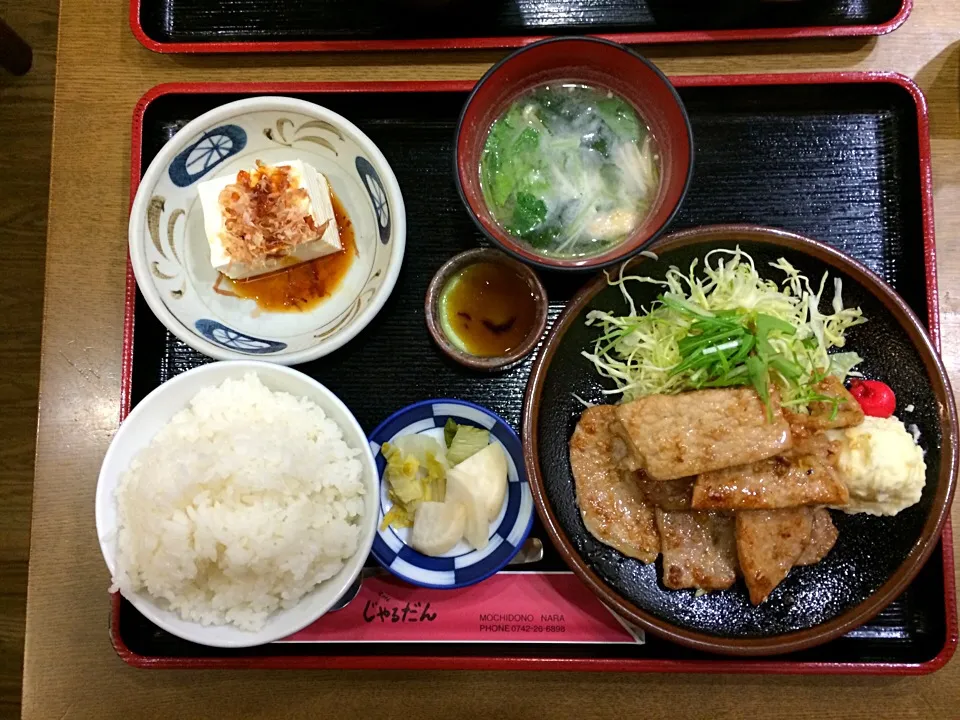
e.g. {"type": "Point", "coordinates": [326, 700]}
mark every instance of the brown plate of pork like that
{"type": "Point", "coordinates": [714, 484]}
{"type": "Point", "coordinates": [712, 517]}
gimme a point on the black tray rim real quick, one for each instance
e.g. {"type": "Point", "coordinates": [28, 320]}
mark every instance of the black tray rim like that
{"type": "Point", "coordinates": [479, 663]}
{"type": "Point", "coordinates": [515, 41]}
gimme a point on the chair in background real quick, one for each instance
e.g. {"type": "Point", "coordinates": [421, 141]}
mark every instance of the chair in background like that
{"type": "Point", "coordinates": [15, 55]}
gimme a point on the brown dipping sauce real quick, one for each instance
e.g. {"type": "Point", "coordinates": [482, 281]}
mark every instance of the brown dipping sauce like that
{"type": "Point", "coordinates": [304, 286]}
{"type": "Point", "coordinates": [488, 309]}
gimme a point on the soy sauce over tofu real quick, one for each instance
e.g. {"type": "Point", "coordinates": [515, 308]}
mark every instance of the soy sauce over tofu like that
{"type": "Point", "coordinates": [674, 436]}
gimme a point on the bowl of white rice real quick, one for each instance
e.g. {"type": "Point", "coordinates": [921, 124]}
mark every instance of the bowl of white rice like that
{"type": "Point", "coordinates": [237, 503]}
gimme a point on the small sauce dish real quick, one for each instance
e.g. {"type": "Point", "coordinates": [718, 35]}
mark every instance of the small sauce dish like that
{"type": "Point", "coordinates": [486, 310]}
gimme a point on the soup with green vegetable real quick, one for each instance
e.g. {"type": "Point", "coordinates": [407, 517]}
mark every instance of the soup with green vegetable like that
{"type": "Point", "coordinates": [569, 169]}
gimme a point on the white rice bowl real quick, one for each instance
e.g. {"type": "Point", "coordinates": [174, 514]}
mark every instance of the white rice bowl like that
{"type": "Point", "coordinates": [243, 504]}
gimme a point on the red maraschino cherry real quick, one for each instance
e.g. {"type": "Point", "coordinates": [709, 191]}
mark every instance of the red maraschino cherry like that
{"type": "Point", "coordinates": [875, 397]}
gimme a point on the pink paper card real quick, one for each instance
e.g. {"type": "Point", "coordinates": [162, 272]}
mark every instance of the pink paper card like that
{"type": "Point", "coordinates": [506, 608]}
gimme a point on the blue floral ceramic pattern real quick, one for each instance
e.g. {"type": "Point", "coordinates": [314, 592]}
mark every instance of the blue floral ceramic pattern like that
{"type": "Point", "coordinates": [371, 181]}
{"type": "Point", "coordinates": [229, 338]}
{"type": "Point", "coordinates": [170, 253]}
{"type": "Point", "coordinates": [506, 537]}
{"type": "Point", "coordinates": [213, 147]}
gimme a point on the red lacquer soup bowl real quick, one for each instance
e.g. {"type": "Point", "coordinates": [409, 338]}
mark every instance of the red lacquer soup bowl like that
{"type": "Point", "coordinates": [596, 63]}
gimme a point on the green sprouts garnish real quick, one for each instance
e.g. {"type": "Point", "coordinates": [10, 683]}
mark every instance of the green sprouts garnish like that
{"type": "Point", "coordinates": [726, 327]}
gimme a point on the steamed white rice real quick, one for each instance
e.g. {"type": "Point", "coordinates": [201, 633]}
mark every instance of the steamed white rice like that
{"type": "Point", "coordinates": [241, 504]}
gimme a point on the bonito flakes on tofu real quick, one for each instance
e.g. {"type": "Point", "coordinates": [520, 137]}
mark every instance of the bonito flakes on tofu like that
{"type": "Point", "coordinates": [267, 218]}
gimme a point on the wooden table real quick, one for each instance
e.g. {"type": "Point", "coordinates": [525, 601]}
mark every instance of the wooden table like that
{"type": "Point", "coordinates": [71, 670]}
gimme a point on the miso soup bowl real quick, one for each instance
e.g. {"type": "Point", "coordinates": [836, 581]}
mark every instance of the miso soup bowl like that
{"type": "Point", "coordinates": [594, 62]}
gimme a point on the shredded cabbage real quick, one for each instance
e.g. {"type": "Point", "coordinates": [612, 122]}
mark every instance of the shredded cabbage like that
{"type": "Point", "coordinates": [416, 472]}
{"type": "Point", "coordinates": [725, 326]}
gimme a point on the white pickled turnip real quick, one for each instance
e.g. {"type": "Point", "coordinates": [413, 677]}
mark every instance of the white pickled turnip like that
{"type": "Point", "coordinates": [438, 527]}
{"type": "Point", "coordinates": [485, 474]}
{"type": "Point", "coordinates": [460, 490]}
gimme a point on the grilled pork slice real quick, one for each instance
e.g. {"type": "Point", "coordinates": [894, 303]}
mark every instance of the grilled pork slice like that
{"type": "Point", "coordinates": [623, 456]}
{"type": "Point", "coordinates": [699, 550]}
{"type": "Point", "coordinates": [611, 504]}
{"type": "Point", "coordinates": [823, 536]}
{"type": "Point", "coordinates": [674, 436]}
{"type": "Point", "coordinates": [666, 494]}
{"type": "Point", "coordinates": [778, 482]}
{"type": "Point", "coordinates": [769, 543]}
{"type": "Point", "coordinates": [821, 414]}
{"type": "Point", "coordinates": [806, 442]}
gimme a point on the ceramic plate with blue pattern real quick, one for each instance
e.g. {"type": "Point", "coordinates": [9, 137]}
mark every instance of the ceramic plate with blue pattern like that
{"type": "Point", "coordinates": [463, 565]}
{"type": "Point", "coordinates": [170, 255]}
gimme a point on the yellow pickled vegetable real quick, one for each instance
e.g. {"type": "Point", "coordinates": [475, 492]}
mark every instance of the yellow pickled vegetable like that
{"type": "Point", "coordinates": [416, 472]}
{"type": "Point", "coordinates": [435, 487]}
{"type": "Point", "coordinates": [398, 517]}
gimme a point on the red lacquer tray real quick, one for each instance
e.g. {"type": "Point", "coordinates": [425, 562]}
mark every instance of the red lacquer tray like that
{"type": "Point", "coordinates": [873, 203]}
{"type": "Point", "coordinates": [211, 26]}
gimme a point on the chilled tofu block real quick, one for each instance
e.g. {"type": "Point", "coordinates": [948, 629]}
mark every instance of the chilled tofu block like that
{"type": "Point", "coordinates": [270, 217]}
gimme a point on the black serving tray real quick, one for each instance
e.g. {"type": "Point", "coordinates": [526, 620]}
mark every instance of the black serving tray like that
{"type": "Point", "coordinates": [358, 25]}
{"type": "Point", "coordinates": [839, 157]}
